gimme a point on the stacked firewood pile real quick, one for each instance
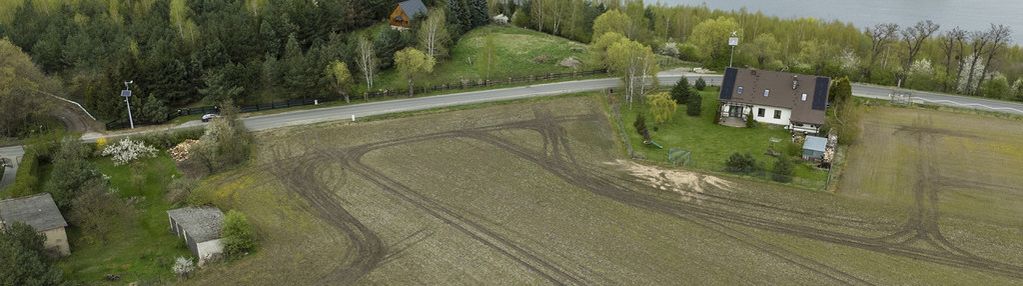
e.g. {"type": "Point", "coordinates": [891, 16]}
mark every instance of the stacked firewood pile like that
{"type": "Point", "coordinates": [180, 152]}
{"type": "Point", "coordinates": [829, 150]}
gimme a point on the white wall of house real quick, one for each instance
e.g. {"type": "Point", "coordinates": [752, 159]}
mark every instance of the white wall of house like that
{"type": "Point", "coordinates": [208, 250]}
{"type": "Point", "coordinates": [769, 115]}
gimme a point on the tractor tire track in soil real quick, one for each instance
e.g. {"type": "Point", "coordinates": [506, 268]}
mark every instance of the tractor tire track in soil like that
{"type": "Point", "coordinates": [604, 187]}
{"type": "Point", "coordinates": [570, 174]}
{"type": "Point", "coordinates": [518, 253]}
{"type": "Point", "coordinates": [922, 224]}
{"type": "Point", "coordinates": [556, 158]}
{"type": "Point", "coordinates": [366, 251]}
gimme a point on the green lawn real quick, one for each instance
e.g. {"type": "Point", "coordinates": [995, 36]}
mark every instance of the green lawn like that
{"type": "Point", "coordinates": [710, 143]}
{"type": "Point", "coordinates": [140, 248]}
{"type": "Point", "coordinates": [516, 49]}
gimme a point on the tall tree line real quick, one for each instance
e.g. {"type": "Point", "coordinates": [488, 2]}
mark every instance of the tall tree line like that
{"type": "Point", "coordinates": [182, 52]}
{"type": "Point", "coordinates": [924, 55]}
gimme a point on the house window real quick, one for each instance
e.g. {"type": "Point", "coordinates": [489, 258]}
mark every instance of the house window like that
{"type": "Point", "coordinates": [777, 114]}
{"type": "Point", "coordinates": [740, 90]}
{"type": "Point", "coordinates": [804, 97]}
{"type": "Point", "coordinates": [767, 92]}
{"type": "Point", "coordinates": [760, 112]}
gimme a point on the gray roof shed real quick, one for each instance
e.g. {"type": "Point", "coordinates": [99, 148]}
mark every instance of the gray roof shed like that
{"type": "Point", "coordinates": [201, 223]}
{"type": "Point", "coordinates": [815, 143]}
{"type": "Point", "coordinates": [38, 211]}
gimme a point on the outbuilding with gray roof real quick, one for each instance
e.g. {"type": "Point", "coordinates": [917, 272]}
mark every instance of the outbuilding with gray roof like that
{"type": "Point", "coordinates": [41, 213]}
{"type": "Point", "coordinates": [200, 228]}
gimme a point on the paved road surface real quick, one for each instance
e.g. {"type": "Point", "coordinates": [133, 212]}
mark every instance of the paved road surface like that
{"type": "Point", "coordinates": [293, 118]}
{"type": "Point", "coordinates": [13, 155]}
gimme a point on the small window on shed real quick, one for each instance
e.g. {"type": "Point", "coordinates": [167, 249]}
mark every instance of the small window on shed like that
{"type": "Point", "coordinates": [804, 97]}
{"type": "Point", "coordinates": [740, 90]}
{"type": "Point", "coordinates": [767, 92]}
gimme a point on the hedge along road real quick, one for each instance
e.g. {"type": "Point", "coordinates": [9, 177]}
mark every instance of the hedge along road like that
{"type": "Point", "coordinates": [346, 112]}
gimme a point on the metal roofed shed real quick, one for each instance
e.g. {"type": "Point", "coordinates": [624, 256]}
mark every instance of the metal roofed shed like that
{"type": "Point", "coordinates": [41, 213]}
{"type": "Point", "coordinates": [200, 227]}
{"type": "Point", "coordinates": [814, 148]}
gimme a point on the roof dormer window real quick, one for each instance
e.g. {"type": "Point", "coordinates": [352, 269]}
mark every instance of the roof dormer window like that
{"type": "Point", "coordinates": [740, 90]}
{"type": "Point", "coordinates": [767, 92]}
{"type": "Point", "coordinates": [804, 97]}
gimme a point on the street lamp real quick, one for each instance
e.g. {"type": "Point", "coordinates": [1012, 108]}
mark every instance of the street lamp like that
{"type": "Point", "coordinates": [733, 41]}
{"type": "Point", "coordinates": [126, 93]}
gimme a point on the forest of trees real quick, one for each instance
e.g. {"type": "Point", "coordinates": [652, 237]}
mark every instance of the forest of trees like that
{"type": "Point", "coordinates": [925, 56]}
{"type": "Point", "coordinates": [184, 52]}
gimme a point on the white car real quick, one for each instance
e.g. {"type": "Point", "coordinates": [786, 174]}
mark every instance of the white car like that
{"type": "Point", "coordinates": [208, 117]}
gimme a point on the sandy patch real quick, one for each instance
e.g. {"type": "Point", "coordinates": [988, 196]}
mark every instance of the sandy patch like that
{"type": "Point", "coordinates": [690, 185]}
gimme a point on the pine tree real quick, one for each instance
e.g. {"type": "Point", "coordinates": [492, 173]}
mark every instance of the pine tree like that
{"type": "Point", "coordinates": [480, 13]}
{"type": "Point", "coordinates": [154, 110]}
{"type": "Point", "coordinates": [694, 106]}
{"type": "Point", "coordinates": [782, 170]}
{"type": "Point", "coordinates": [700, 84]}
{"type": "Point", "coordinates": [681, 91]}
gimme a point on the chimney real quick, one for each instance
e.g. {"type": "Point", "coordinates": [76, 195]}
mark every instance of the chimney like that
{"type": "Point", "coordinates": [795, 82]}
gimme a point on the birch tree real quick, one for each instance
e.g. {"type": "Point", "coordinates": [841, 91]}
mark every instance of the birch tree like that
{"type": "Point", "coordinates": [433, 35]}
{"type": "Point", "coordinates": [366, 60]}
{"type": "Point", "coordinates": [179, 17]}
{"type": "Point", "coordinates": [633, 61]}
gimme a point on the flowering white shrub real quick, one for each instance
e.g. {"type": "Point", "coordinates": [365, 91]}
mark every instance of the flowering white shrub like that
{"type": "Point", "coordinates": [183, 266]}
{"type": "Point", "coordinates": [128, 150]}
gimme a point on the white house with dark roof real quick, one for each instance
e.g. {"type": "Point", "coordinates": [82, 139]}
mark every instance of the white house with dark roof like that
{"type": "Point", "coordinates": [795, 101]}
{"type": "Point", "coordinates": [200, 228]}
{"type": "Point", "coordinates": [41, 213]}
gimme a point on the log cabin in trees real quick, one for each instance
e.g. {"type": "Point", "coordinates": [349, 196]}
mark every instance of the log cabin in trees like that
{"type": "Point", "coordinates": [405, 12]}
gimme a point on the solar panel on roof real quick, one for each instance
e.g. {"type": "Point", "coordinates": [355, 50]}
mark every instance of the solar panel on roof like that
{"type": "Point", "coordinates": [820, 93]}
{"type": "Point", "coordinates": [728, 84]}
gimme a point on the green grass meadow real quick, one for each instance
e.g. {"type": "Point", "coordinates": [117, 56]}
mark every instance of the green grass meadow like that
{"type": "Point", "coordinates": [140, 248]}
{"type": "Point", "coordinates": [710, 143]}
{"type": "Point", "coordinates": [516, 49]}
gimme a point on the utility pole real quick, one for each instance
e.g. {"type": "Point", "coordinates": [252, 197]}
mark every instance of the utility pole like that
{"type": "Point", "coordinates": [126, 93]}
{"type": "Point", "coordinates": [733, 41]}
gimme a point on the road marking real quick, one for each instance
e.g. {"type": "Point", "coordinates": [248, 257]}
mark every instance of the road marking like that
{"type": "Point", "coordinates": [949, 102]}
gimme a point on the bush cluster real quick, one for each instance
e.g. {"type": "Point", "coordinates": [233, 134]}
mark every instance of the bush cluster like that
{"type": "Point", "coordinates": [741, 163]}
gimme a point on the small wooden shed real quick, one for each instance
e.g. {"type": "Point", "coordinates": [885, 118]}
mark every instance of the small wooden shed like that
{"type": "Point", "coordinates": [405, 12]}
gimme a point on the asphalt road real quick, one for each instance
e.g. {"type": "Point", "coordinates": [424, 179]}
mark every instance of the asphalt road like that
{"type": "Point", "coordinates": [302, 117]}
{"type": "Point", "coordinates": [13, 157]}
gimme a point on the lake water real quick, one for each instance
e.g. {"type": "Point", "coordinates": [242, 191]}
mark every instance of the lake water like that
{"type": "Point", "coordinates": [967, 14]}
